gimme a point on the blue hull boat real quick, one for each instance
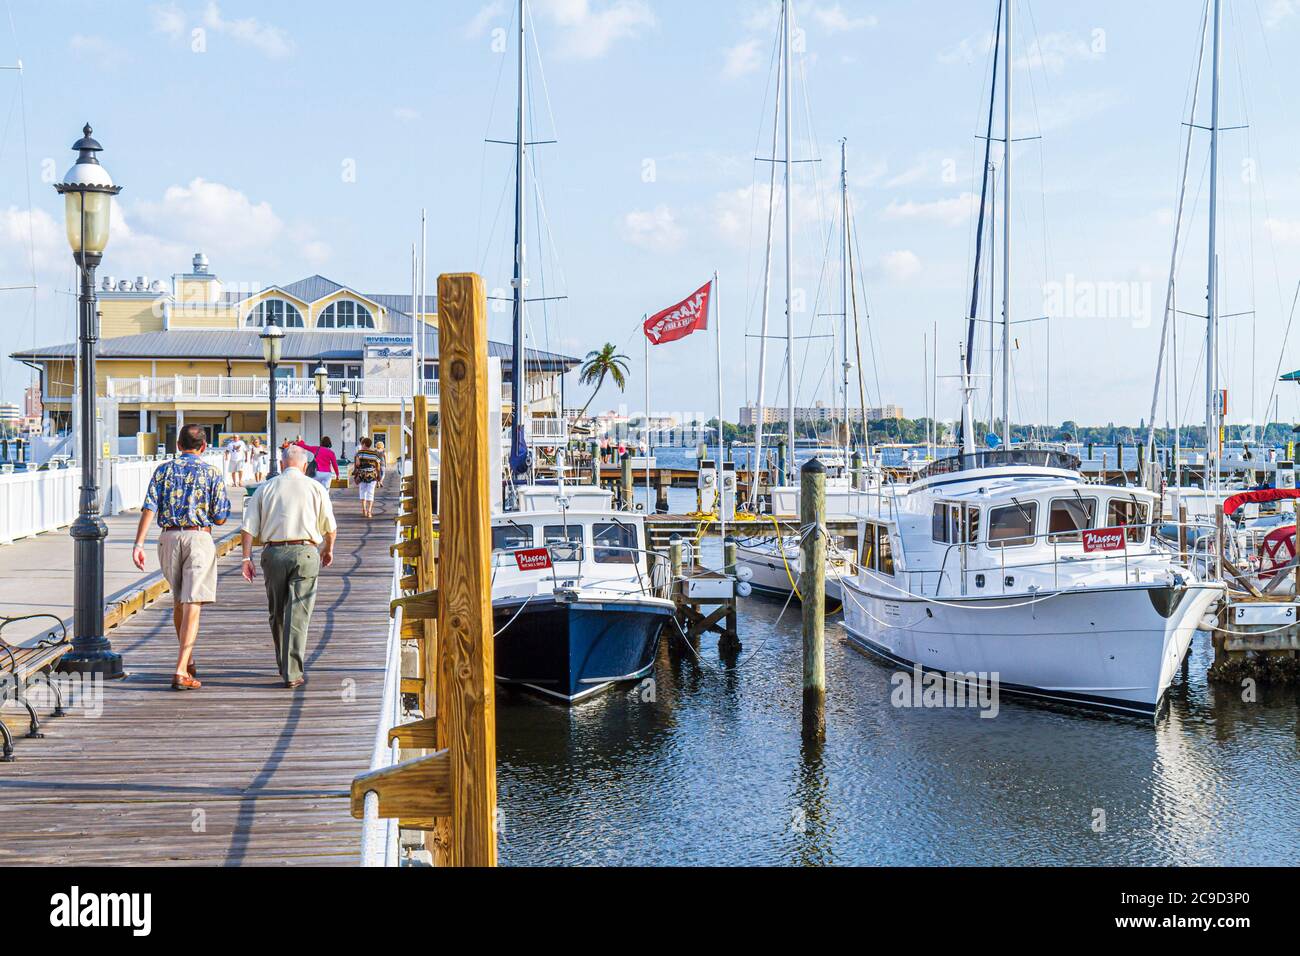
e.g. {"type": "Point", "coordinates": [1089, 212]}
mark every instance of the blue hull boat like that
{"type": "Point", "coordinates": [569, 651]}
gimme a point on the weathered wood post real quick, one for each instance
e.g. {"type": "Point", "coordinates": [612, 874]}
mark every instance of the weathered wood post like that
{"type": "Point", "coordinates": [676, 558]}
{"type": "Point", "coordinates": [812, 584]}
{"type": "Point", "coordinates": [662, 480]}
{"type": "Point", "coordinates": [629, 497]}
{"type": "Point", "coordinates": [729, 643]}
{"type": "Point", "coordinates": [466, 673]}
{"type": "Point", "coordinates": [729, 552]}
{"type": "Point", "coordinates": [781, 473]}
{"type": "Point", "coordinates": [857, 471]}
{"type": "Point", "coordinates": [1182, 534]}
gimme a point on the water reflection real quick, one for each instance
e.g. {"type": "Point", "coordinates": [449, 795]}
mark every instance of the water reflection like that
{"type": "Point", "coordinates": [708, 766]}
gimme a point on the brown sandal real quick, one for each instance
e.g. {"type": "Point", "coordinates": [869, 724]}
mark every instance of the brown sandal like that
{"type": "Point", "coordinates": [185, 682]}
{"type": "Point", "coordinates": [194, 671]}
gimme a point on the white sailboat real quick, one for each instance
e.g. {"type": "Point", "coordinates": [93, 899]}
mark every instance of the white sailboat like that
{"type": "Point", "coordinates": [1008, 563]}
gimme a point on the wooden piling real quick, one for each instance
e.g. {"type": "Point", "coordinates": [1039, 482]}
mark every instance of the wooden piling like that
{"type": "Point", "coordinates": [676, 558]}
{"type": "Point", "coordinates": [626, 482]}
{"type": "Point", "coordinates": [1182, 535]}
{"type": "Point", "coordinates": [812, 520]}
{"type": "Point", "coordinates": [466, 669]}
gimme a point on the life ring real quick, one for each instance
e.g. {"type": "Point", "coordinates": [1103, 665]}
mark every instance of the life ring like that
{"type": "Point", "coordinates": [1277, 551]}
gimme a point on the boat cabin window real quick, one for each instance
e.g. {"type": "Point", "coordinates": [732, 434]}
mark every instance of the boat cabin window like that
{"type": "Point", "coordinates": [1070, 516]}
{"type": "Point", "coordinates": [564, 541]}
{"type": "Point", "coordinates": [885, 550]}
{"type": "Point", "coordinates": [877, 553]}
{"type": "Point", "coordinates": [951, 524]}
{"type": "Point", "coordinates": [1013, 526]}
{"type": "Point", "coordinates": [1130, 514]}
{"type": "Point", "coordinates": [614, 543]}
{"type": "Point", "coordinates": [511, 538]}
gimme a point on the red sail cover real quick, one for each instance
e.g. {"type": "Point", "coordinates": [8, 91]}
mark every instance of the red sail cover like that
{"type": "Point", "coordinates": [680, 320]}
{"type": "Point", "coordinates": [1231, 505]}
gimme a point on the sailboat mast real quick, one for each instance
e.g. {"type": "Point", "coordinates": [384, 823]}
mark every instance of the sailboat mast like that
{"type": "Point", "coordinates": [789, 251]}
{"type": "Point", "coordinates": [844, 287]}
{"type": "Point", "coordinates": [1006, 234]}
{"type": "Point", "coordinates": [1212, 410]}
{"type": "Point", "coordinates": [518, 371]}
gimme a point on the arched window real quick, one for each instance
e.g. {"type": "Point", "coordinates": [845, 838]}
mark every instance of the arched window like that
{"type": "Point", "coordinates": [275, 312]}
{"type": "Point", "coordinates": [346, 314]}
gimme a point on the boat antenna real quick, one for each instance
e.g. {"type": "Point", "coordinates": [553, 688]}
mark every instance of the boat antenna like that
{"type": "Point", "coordinates": [519, 439]}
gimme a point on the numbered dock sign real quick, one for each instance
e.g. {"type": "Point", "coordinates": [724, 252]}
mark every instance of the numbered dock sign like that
{"type": "Point", "coordinates": [533, 559]}
{"type": "Point", "coordinates": [1103, 539]}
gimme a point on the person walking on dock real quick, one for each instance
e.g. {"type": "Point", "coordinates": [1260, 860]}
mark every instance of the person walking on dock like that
{"type": "Point", "coordinates": [188, 496]}
{"type": "Point", "coordinates": [327, 464]}
{"type": "Point", "coordinates": [368, 474]}
{"type": "Point", "coordinates": [292, 519]}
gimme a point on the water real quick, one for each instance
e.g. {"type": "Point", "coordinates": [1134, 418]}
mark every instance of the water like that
{"type": "Point", "coordinates": [712, 772]}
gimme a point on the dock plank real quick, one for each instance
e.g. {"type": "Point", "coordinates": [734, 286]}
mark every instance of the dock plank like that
{"type": "Point", "coordinates": [242, 772]}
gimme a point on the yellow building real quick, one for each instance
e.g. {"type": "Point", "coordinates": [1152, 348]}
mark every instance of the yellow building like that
{"type": "Point", "coordinates": [187, 351]}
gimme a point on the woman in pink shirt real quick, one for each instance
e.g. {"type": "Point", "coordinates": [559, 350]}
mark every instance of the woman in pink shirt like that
{"type": "Point", "coordinates": [327, 466]}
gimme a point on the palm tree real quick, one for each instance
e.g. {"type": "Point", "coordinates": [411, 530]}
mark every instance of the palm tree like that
{"type": "Point", "coordinates": [599, 364]}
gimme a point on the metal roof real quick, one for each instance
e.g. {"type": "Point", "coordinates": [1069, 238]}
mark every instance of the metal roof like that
{"type": "Point", "coordinates": [244, 345]}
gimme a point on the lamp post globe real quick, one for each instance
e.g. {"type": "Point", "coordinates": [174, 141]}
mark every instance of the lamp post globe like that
{"type": "Point", "coordinates": [272, 337]}
{"type": "Point", "coordinates": [88, 193]}
{"type": "Point", "coordinates": [322, 377]}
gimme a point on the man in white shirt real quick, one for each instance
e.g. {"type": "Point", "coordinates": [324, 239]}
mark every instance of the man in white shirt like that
{"type": "Point", "coordinates": [291, 517]}
{"type": "Point", "coordinates": [236, 452]}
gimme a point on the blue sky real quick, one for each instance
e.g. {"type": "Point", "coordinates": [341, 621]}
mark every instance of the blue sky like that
{"type": "Point", "coordinates": [287, 138]}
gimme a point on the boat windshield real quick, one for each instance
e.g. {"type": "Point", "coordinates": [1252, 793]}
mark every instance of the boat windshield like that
{"type": "Point", "coordinates": [1001, 457]}
{"type": "Point", "coordinates": [564, 541]}
{"type": "Point", "coordinates": [614, 543]}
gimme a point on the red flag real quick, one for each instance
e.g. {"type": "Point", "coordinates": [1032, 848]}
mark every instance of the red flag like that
{"type": "Point", "coordinates": [680, 320]}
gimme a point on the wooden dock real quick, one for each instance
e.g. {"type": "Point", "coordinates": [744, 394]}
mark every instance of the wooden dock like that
{"type": "Point", "coordinates": [242, 772]}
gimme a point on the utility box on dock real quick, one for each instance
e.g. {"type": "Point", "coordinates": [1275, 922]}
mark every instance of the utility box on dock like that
{"type": "Point", "coordinates": [707, 485]}
{"type": "Point", "coordinates": [1284, 477]}
{"type": "Point", "coordinates": [727, 505]}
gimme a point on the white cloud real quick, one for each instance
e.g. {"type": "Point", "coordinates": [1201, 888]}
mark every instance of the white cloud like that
{"type": "Point", "coordinates": [968, 49]}
{"type": "Point", "coordinates": [104, 53]}
{"type": "Point", "coordinates": [25, 237]}
{"type": "Point", "coordinates": [949, 212]}
{"type": "Point", "coordinates": [656, 230]}
{"type": "Point", "coordinates": [1052, 51]}
{"type": "Point", "coordinates": [267, 39]}
{"type": "Point", "coordinates": [484, 18]}
{"type": "Point", "coordinates": [741, 59]}
{"type": "Point", "coordinates": [736, 211]}
{"type": "Point", "coordinates": [1283, 230]}
{"type": "Point", "coordinates": [1062, 111]}
{"type": "Point", "coordinates": [169, 20]}
{"type": "Point", "coordinates": [901, 264]}
{"type": "Point", "coordinates": [591, 27]}
{"type": "Point", "coordinates": [405, 114]}
{"type": "Point", "coordinates": [833, 19]}
{"type": "Point", "coordinates": [1279, 11]}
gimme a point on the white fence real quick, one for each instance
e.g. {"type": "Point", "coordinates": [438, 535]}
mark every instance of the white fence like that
{"type": "Point", "coordinates": [34, 502]}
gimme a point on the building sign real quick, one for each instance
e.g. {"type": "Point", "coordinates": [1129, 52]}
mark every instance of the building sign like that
{"type": "Point", "coordinates": [533, 559]}
{"type": "Point", "coordinates": [389, 346]}
{"type": "Point", "coordinates": [1103, 539]}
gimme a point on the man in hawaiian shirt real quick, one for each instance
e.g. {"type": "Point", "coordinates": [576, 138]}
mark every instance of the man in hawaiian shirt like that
{"type": "Point", "coordinates": [189, 498]}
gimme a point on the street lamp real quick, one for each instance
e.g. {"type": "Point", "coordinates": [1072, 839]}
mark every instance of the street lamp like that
{"type": "Point", "coordinates": [345, 399]}
{"type": "Point", "coordinates": [88, 193]}
{"type": "Point", "coordinates": [322, 377]}
{"type": "Point", "coordinates": [272, 343]}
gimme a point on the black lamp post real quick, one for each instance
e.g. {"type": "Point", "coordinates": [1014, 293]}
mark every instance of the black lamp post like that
{"type": "Point", "coordinates": [345, 399]}
{"type": "Point", "coordinates": [272, 342]}
{"type": "Point", "coordinates": [88, 193]}
{"type": "Point", "coordinates": [322, 377]}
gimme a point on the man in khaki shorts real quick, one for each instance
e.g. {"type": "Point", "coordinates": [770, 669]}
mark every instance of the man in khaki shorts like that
{"type": "Point", "coordinates": [188, 496]}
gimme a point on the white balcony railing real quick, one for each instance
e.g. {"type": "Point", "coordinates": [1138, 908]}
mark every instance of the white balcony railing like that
{"type": "Point", "coordinates": [209, 388]}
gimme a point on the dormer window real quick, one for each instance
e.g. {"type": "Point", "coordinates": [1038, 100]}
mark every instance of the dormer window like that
{"type": "Point", "coordinates": [275, 312]}
{"type": "Point", "coordinates": [346, 314]}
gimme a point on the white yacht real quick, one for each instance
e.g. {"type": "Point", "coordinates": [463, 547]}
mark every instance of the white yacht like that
{"type": "Point", "coordinates": [1009, 563]}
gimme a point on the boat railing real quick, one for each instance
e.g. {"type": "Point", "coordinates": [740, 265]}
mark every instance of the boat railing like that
{"type": "Point", "coordinates": [379, 837]}
{"type": "Point", "coordinates": [1055, 538]}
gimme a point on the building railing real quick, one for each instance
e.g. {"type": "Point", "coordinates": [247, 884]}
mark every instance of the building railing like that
{"type": "Point", "coordinates": [211, 388]}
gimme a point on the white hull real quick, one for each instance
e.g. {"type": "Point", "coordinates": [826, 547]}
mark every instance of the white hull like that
{"type": "Point", "coordinates": [771, 576]}
{"type": "Point", "coordinates": [1103, 647]}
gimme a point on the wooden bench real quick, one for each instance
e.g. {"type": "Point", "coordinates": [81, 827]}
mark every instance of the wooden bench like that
{"type": "Point", "coordinates": [17, 665]}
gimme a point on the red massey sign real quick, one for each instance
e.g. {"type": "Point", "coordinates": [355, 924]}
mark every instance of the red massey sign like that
{"type": "Point", "coordinates": [1103, 539]}
{"type": "Point", "coordinates": [534, 559]}
{"type": "Point", "coordinates": [680, 320]}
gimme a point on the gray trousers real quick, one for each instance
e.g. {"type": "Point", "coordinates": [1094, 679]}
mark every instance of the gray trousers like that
{"type": "Point", "coordinates": [290, 573]}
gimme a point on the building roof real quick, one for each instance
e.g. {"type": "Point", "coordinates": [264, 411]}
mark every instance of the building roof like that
{"type": "Point", "coordinates": [244, 345]}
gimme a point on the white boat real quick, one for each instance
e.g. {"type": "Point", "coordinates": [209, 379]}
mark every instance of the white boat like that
{"type": "Point", "coordinates": [1008, 563]}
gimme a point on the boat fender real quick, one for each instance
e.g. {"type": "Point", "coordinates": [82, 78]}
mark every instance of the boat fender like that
{"type": "Point", "coordinates": [744, 589]}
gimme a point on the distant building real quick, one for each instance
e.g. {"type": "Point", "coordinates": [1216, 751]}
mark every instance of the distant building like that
{"type": "Point", "coordinates": [819, 413]}
{"type": "Point", "coordinates": [10, 415]}
{"type": "Point", "coordinates": [32, 407]}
